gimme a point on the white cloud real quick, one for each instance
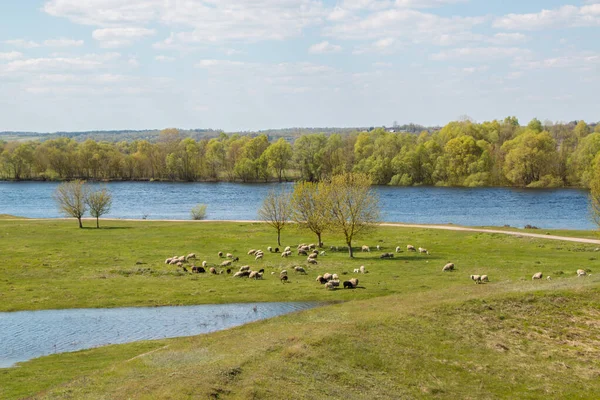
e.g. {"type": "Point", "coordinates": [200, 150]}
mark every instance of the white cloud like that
{"type": "Point", "coordinates": [44, 64]}
{"type": "Point", "coordinates": [472, 70]}
{"type": "Point", "coordinates": [480, 53]}
{"type": "Point", "coordinates": [22, 43]}
{"type": "Point", "coordinates": [63, 43]}
{"type": "Point", "coordinates": [382, 65]}
{"type": "Point", "coordinates": [13, 55]}
{"type": "Point", "coordinates": [580, 61]}
{"type": "Point", "coordinates": [324, 47]}
{"type": "Point", "coordinates": [565, 16]}
{"type": "Point", "coordinates": [162, 58]}
{"type": "Point", "coordinates": [508, 38]}
{"type": "Point", "coordinates": [120, 37]}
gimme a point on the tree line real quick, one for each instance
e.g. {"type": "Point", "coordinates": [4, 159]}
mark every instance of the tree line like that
{"type": "Point", "coordinates": [462, 153]}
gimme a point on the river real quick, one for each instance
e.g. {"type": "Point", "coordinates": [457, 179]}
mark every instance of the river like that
{"type": "Point", "coordinates": [545, 208]}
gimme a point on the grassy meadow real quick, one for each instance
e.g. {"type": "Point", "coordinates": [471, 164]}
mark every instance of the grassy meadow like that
{"type": "Point", "coordinates": [408, 331]}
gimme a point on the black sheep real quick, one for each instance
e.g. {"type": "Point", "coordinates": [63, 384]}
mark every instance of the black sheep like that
{"type": "Point", "coordinates": [348, 285]}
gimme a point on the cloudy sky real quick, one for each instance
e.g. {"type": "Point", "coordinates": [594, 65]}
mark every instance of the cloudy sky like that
{"type": "Point", "coordinates": [257, 64]}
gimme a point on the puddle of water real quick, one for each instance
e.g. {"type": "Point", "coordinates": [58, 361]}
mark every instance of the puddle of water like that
{"type": "Point", "coordinates": [30, 334]}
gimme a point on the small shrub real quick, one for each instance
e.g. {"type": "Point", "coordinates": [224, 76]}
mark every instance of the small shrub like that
{"type": "Point", "coordinates": [199, 212]}
{"type": "Point", "coordinates": [531, 227]}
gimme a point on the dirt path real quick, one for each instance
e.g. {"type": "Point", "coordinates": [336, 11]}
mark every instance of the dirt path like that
{"type": "Point", "coordinates": [399, 225]}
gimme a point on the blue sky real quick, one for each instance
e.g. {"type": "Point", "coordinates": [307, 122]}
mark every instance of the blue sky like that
{"type": "Point", "coordinates": [68, 65]}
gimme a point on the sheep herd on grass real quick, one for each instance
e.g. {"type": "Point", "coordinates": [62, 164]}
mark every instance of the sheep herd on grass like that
{"type": "Point", "coordinates": [310, 251]}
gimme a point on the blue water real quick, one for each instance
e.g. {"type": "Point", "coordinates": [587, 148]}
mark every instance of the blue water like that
{"type": "Point", "coordinates": [549, 208]}
{"type": "Point", "coordinates": [30, 334]}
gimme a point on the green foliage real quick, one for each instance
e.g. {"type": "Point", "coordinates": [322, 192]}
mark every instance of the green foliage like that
{"type": "Point", "coordinates": [99, 203]}
{"type": "Point", "coordinates": [198, 212]}
{"type": "Point", "coordinates": [462, 153]}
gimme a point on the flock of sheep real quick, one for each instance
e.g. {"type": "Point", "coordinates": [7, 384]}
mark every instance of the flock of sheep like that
{"type": "Point", "coordinates": [330, 281]}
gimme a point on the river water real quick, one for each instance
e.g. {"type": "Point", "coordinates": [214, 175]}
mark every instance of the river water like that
{"type": "Point", "coordinates": [547, 208]}
{"type": "Point", "coordinates": [29, 334]}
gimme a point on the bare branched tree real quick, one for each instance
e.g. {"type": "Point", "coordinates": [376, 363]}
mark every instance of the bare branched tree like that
{"type": "Point", "coordinates": [310, 207]}
{"type": "Point", "coordinates": [276, 211]}
{"type": "Point", "coordinates": [354, 207]}
{"type": "Point", "coordinates": [99, 203]}
{"type": "Point", "coordinates": [71, 199]}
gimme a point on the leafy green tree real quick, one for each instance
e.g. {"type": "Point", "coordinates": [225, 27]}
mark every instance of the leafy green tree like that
{"type": "Point", "coordinates": [310, 207]}
{"type": "Point", "coordinates": [535, 125]}
{"type": "Point", "coordinates": [278, 157]}
{"type": "Point", "coordinates": [353, 206]}
{"type": "Point", "coordinates": [529, 157]}
{"type": "Point", "coordinates": [99, 203]}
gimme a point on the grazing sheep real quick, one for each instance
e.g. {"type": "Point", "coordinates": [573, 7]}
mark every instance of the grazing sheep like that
{"type": "Point", "coordinates": [286, 254]}
{"type": "Point", "coordinates": [181, 259]}
{"type": "Point", "coordinates": [335, 283]}
{"type": "Point", "coordinates": [212, 270]}
{"type": "Point", "coordinates": [253, 274]}
{"type": "Point", "coordinates": [191, 255]}
{"type": "Point", "coordinates": [241, 274]}
{"type": "Point", "coordinates": [484, 278]}
{"type": "Point", "coordinates": [348, 285]}
{"type": "Point", "coordinates": [537, 275]}
{"type": "Point", "coordinates": [283, 278]}
{"type": "Point", "coordinates": [321, 280]}
{"type": "Point", "coordinates": [322, 253]}
{"type": "Point", "coordinates": [397, 249]}
{"type": "Point", "coordinates": [287, 248]}
{"type": "Point", "coordinates": [259, 275]}
{"type": "Point", "coordinates": [378, 248]}
{"type": "Point", "coordinates": [365, 249]}
{"type": "Point", "coordinates": [329, 286]}
{"type": "Point", "coordinates": [476, 278]}
{"type": "Point", "coordinates": [244, 268]}
{"type": "Point", "coordinates": [229, 255]}
{"type": "Point", "coordinates": [313, 255]}
{"type": "Point", "coordinates": [311, 261]}
{"type": "Point", "coordinates": [198, 270]}
{"type": "Point", "coordinates": [251, 252]}
{"type": "Point", "coordinates": [270, 249]}
{"type": "Point", "coordinates": [327, 276]}
{"type": "Point", "coordinates": [226, 263]}
{"type": "Point", "coordinates": [220, 254]}
{"type": "Point", "coordinates": [262, 270]}
{"type": "Point", "coordinates": [228, 270]}
{"type": "Point", "coordinates": [259, 257]}
{"type": "Point", "coordinates": [423, 251]}
{"type": "Point", "coordinates": [362, 269]}
{"type": "Point", "coordinates": [581, 272]}
{"type": "Point", "coordinates": [410, 247]}
{"type": "Point", "coordinates": [276, 249]}
{"type": "Point", "coordinates": [305, 248]}
{"type": "Point", "coordinates": [204, 264]}
{"type": "Point", "coordinates": [312, 246]}
{"type": "Point", "coordinates": [179, 264]}
{"type": "Point", "coordinates": [387, 255]}
{"type": "Point", "coordinates": [168, 260]}
{"type": "Point", "coordinates": [354, 282]}
{"type": "Point", "coordinates": [300, 270]}
{"type": "Point", "coordinates": [448, 267]}
{"type": "Point", "coordinates": [335, 277]}
{"type": "Point", "coordinates": [356, 270]}
{"type": "Point", "coordinates": [549, 278]}
{"type": "Point", "coordinates": [302, 252]}
{"type": "Point", "coordinates": [283, 272]}
{"type": "Point", "coordinates": [174, 261]}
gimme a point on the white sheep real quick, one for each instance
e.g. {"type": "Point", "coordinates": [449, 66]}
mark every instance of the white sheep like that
{"type": "Point", "coordinates": [312, 246]}
{"type": "Point", "coordinates": [356, 270]}
{"type": "Point", "coordinates": [259, 257]}
{"type": "Point", "coordinates": [287, 248]}
{"type": "Point", "coordinates": [362, 269]}
{"type": "Point", "coordinates": [549, 278]}
{"type": "Point", "coordinates": [378, 247]}
{"type": "Point", "coordinates": [423, 250]}
{"type": "Point", "coordinates": [365, 248]}
{"type": "Point", "coordinates": [191, 255]}
{"type": "Point", "coordinates": [311, 261]}
{"type": "Point", "coordinates": [226, 263]}
{"type": "Point", "coordinates": [581, 272]}
{"type": "Point", "coordinates": [270, 249]}
{"type": "Point", "coordinates": [300, 270]}
{"type": "Point", "coordinates": [327, 276]}
{"type": "Point", "coordinates": [285, 254]}
{"type": "Point", "coordinates": [448, 267]}
{"type": "Point", "coordinates": [220, 254]}
{"type": "Point", "coordinates": [537, 275]}
{"type": "Point", "coordinates": [329, 285]}
{"type": "Point", "coordinates": [204, 264]}
{"type": "Point", "coordinates": [397, 249]}
{"type": "Point", "coordinates": [476, 278]}
{"type": "Point", "coordinates": [313, 255]}
{"type": "Point", "coordinates": [244, 268]}
{"type": "Point", "coordinates": [229, 255]}
{"type": "Point", "coordinates": [251, 252]}
{"type": "Point", "coordinates": [253, 274]}
{"type": "Point", "coordinates": [484, 278]}
{"type": "Point", "coordinates": [322, 253]}
{"type": "Point", "coordinates": [335, 277]}
{"type": "Point", "coordinates": [168, 260]}
{"type": "Point", "coordinates": [410, 247]}
{"type": "Point", "coordinates": [354, 282]}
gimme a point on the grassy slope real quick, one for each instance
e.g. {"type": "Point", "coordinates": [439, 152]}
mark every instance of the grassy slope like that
{"type": "Point", "coordinates": [533, 339]}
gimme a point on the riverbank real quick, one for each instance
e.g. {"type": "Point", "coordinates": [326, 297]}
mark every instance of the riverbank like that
{"type": "Point", "coordinates": [410, 330]}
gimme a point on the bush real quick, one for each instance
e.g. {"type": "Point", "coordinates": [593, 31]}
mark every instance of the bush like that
{"type": "Point", "coordinates": [199, 212]}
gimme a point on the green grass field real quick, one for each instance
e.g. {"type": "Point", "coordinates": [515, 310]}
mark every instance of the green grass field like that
{"type": "Point", "coordinates": [410, 331]}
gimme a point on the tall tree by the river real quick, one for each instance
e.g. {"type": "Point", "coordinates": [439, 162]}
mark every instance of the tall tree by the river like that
{"type": "Point", "coordinates": [276, 211]}
{"type": "Point", "coordinates": [71, 199]}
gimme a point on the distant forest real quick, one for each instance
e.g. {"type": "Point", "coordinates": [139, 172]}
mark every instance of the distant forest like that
{"type": "Point", "coordinates": [462, 153]}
